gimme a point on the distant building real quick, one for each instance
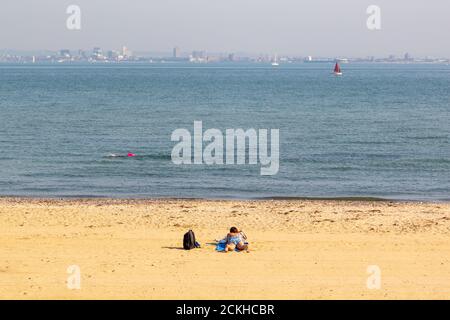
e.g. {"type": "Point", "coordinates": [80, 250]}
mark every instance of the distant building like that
{"type": "Point", "coordinates": [231, 57]}
{"type": "Point", "coordinates": [113, 55]}
{"type": "Point", "coordinates": [126, 52]}
{"type": "Point", "coordinates": [97, 51]}
{"type": "Point", "coordinates": [198, 56]}
{"type": "Point", "coordinates": [64, 53]}
{"type": "Point", "coordinates": [176, 53]}
{"type": "Point", "coordinates": [408, 57]}
{"type": "Point", "coordinates": [97, 54]}
{"type": "Point", "coordinates": [342, 60]}
{"type": "Point", "coordinates": [82, 54]}
{"type": "Point", "coordinates": [310, 59]}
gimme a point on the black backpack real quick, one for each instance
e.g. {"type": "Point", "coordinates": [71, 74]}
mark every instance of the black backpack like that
{"type": "Point", "coordinates": [189, 241]}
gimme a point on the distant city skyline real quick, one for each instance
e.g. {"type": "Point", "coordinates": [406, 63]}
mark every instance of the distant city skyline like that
{"type": "Point", "coordinates": [289, 27]}
{"type": "Point", "coordinates": [178, 52]}
{"type": "Point", "coordinates": [124, 54]}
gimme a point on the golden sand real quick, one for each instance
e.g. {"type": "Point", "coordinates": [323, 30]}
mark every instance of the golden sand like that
{"type": "Point", "coordinates": [300, 249]}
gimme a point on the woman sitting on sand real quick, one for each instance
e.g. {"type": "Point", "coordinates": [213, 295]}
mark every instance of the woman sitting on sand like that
{"type": "Point", "coordinates": [235, 240]}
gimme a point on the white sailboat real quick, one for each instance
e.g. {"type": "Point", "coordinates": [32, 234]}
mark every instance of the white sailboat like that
{"type": "Point", "coordinates": [275, 61]}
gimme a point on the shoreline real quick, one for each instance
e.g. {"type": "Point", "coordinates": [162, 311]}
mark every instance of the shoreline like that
{"type": "Point", "coordinates": [270, 198]}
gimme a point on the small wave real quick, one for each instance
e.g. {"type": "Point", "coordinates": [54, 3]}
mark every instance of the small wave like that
{"type": "Point", "coordinates": [442, 137]}
{"type": "Point", "coordinates": [139, 157]}
{"type": "Point", "coordinates": [340, 169]}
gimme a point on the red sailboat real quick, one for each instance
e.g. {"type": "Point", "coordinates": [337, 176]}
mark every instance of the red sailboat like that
{"type": "Point", "coordinates": [337, 70]}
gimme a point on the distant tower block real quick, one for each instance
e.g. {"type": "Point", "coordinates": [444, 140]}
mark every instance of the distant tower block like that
{"type": "Point", "coordinates": [176, 52]}
{"type": "Point", "coordinates": [408, 57]}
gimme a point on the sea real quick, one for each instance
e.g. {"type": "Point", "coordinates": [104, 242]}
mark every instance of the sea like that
{"type": "Point", "coordinates": [378, 131]}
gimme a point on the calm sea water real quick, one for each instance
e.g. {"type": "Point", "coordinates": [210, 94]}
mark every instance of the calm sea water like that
{"type": "Point", "coordinates": [379, 131]}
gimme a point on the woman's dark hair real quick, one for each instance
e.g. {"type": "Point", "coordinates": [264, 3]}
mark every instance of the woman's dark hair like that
{"type": "Point", "coordinates": [234, 230]}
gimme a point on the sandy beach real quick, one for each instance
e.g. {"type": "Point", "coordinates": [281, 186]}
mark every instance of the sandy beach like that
{"type": "Point", "coordinates": [300, 249]}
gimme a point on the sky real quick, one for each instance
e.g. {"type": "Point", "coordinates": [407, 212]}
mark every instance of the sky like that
{"type": "Point", "coordinates": [294, 27]}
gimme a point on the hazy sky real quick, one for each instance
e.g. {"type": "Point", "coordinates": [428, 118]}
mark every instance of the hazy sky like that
{"type": "Point", "coordinates": [316, 27]}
